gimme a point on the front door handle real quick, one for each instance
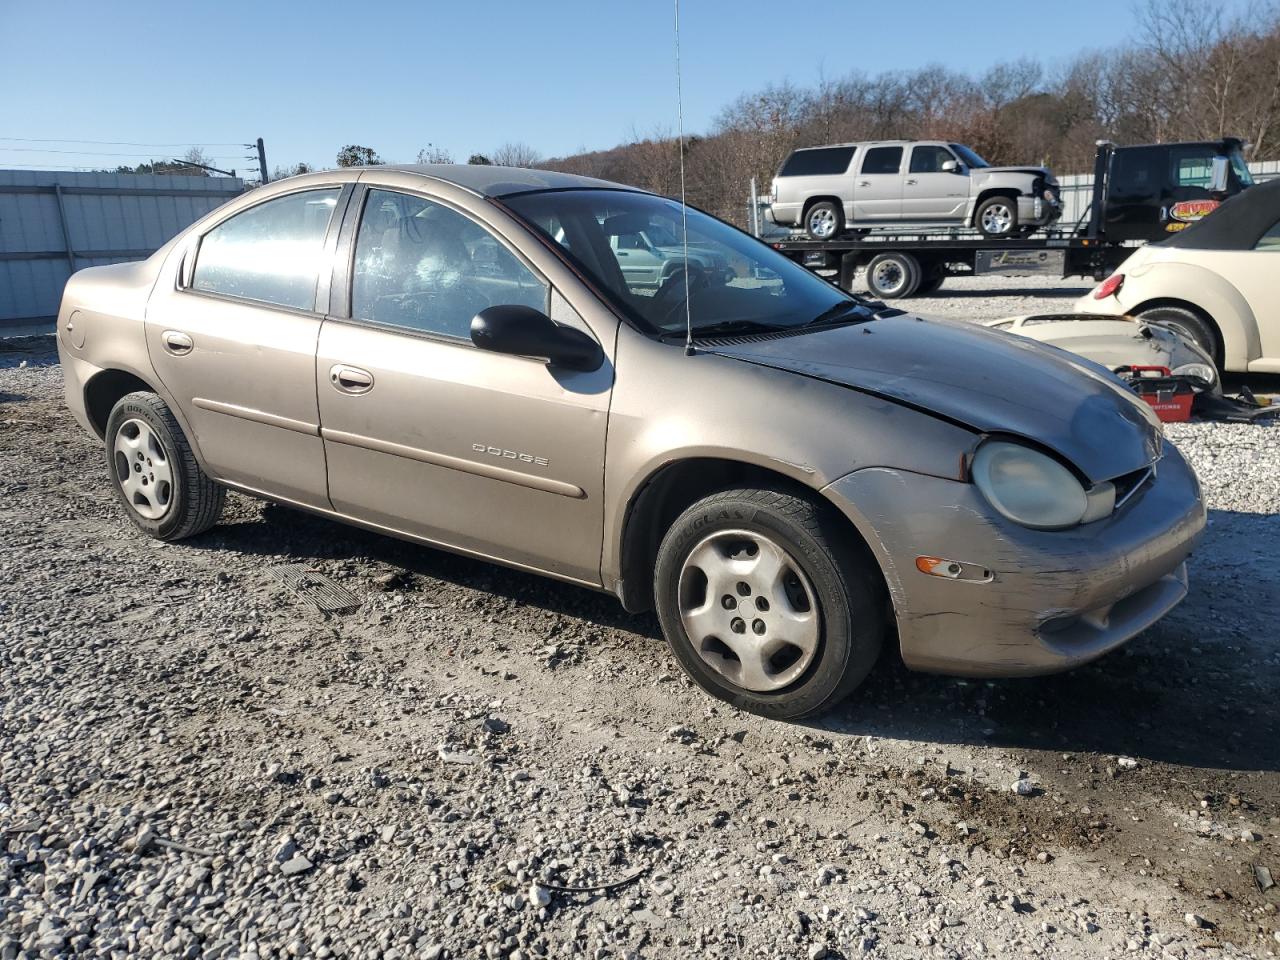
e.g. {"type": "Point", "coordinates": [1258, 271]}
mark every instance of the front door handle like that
{"type": "Point", "coordinates": [176, 342]}
{"type": "Point", "coordinates": [348, 379]}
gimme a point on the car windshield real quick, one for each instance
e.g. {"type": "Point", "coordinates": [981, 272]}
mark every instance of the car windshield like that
{"type": "Point", "coordinates": [735, 282]}
{"type": "Point", "coordinates": [1241, 168]}
{"type": "Point", "coordinates": [970, 158]}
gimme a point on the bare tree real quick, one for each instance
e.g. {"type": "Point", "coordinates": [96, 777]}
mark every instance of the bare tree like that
{"type": "Point", "coordinates": [433, 154]}
{"type": "Point", "coordinates": [516, 155]}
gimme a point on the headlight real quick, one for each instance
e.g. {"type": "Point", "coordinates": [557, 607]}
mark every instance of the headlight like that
{"type": "Point", "coordinates": [1201, 370]}
{"type": "Point", "coordinates": [1036, 491]}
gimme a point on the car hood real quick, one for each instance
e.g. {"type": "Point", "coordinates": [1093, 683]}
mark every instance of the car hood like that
{"type": "Point", "coordinates": [1030, 171]}
{"type": "Point", "coordinates": [984, 379]}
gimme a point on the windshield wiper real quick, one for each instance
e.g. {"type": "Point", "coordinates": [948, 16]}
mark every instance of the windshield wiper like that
{"type": "Point", "coordinates": [726, 328]}
{"type": "Point", "coordinates": [844, 310]}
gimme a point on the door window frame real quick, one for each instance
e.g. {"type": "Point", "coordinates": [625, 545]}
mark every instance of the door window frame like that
{"type": "Point", "coordinates": [866, 154]}
{"type": "Point", "coordinates": [928, 146]}
{"type": "Point", "coordinates": [184, 276]}
{"type": "Point", "coordinates": [342, 281]}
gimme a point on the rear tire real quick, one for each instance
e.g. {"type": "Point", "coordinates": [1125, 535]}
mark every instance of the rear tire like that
{"type": "Point", "coordinates": [1191, 325]}
{"type": "Point", "coordinates": [997, 218]}
{"type": "Point", "coordinates": [893, 276]}
{"type": "Point", "coordinates": [154, 472]}
{"type": "Point", "coordinates": [932, 280]}
{"type": "Point", "coordinates": [824, 220]}
{"type": "Point", "coordinates": [711, 591]}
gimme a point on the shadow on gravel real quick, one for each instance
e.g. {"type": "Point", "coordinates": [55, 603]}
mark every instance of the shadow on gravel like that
{"type": "Point", "coordinates": [33, 351]}
{"type": "Point", "coordinates": [288, 535]}
{"type": "Point", "coordinates": [1179, 693]}
{"type": "Point", "coordinates": [954, 292]}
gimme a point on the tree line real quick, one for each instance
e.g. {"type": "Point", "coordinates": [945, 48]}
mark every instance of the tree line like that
{"type": "Point", "coordinates": [1191, 73]}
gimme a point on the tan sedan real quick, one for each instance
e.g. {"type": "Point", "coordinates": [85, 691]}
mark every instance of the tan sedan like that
{"type": "Point", "coordinates": [460, 356]}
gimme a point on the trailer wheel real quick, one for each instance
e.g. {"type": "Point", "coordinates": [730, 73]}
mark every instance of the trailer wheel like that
{"type": "Point", "coordinates": [893, 276]}
{"type": "Point", "coordinates": [824, 220]}
{"type": "Point", "coordinates": [932, 280]}
{"type": "Point", "coordinates": [997, 217]}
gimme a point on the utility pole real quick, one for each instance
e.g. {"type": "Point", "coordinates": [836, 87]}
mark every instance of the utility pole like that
{"type": "Point", "coordinates": [262, 160]}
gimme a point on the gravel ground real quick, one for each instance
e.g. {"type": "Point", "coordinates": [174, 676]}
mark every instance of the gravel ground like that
{"type": "Point", "coordinates": [194, 762]}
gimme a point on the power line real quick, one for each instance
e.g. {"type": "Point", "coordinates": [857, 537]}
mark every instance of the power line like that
{"type": "Point", "coordinates": [118, 143]}
{"type": "Point", "coordinates": [93, 153]}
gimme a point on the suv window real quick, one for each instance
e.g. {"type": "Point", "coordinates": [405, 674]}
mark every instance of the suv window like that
{"type": "Point", "coordinates": [929, 159]}
{"type": "Point", "coordinates": [422, 266]}
{"type": "Point", "coordinates": [819, 162]}
{"type": "Point", "coordinates": [271, 253]}
{"type": "Point", "coordinates": [882, 160]}
{"type": "Point", "coordinates": [1270, 240]}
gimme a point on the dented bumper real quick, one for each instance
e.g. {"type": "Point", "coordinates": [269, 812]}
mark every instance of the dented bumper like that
{"type": "Point", "coordinates": [1054, 599]}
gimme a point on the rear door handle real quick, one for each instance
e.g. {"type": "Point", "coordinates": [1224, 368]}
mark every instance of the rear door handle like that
{"type": "Point", "coordinates": [912, 183]}
{"type": "Point", "coordinates": [348, 379]}
{"type": "Point", "coordinates": [864, 183]}
{"type": "Point", "coordinates": [176, 342]}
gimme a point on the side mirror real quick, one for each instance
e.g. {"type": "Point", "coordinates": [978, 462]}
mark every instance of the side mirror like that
{"type": "Point", "coordinates": [1218, 177]}
{"type": "Point", "coordinates": [950, 166]}
{"type": "Point", "coordinates": [525, 332]}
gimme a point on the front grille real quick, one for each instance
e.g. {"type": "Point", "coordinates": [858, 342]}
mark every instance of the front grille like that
{"type": "Point", "coordinates": [1128, 485]}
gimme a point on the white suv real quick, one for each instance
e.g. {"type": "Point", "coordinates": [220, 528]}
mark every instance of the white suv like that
{"type": "Point", "coordinates": [826, 190]}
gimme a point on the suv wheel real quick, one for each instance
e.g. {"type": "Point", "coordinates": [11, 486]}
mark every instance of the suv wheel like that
{"type": "Point", "coordinates": [997, 217]}
{"type": "Point", "coordinates": [824, 220]}
{"type": "Point", "coordinates": [764, 604]}
{"type": "Point", "coordinates": [892, 276]}
{"type": "Point", "coordinates": [1190, 325]}
{"type": "Point", "coordinates": [154, 472]}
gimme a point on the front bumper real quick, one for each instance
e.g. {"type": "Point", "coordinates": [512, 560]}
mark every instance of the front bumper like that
{"type": "Point", "coordinates": [1038, 211]}
{"type": "Point", "coordinates": [1056, 599]}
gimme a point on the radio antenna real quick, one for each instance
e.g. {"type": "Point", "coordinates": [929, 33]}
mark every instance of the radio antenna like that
{"type": "Point", "coordinates": [684, 210]}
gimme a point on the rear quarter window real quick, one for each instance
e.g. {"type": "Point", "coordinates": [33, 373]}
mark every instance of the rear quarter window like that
{"type": "Point", "coordinates": [817, 162]}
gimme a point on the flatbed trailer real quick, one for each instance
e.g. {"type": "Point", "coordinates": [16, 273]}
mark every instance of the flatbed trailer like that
{"type": "Point", "coordinates": [903, 261]}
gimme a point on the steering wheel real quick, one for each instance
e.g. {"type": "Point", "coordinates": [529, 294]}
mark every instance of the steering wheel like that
{"type": "Point", "coordinates": [672, 294]}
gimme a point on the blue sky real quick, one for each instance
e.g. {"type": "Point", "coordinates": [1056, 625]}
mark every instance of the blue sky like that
{"type": "Point", "coordinates": [466, 76]}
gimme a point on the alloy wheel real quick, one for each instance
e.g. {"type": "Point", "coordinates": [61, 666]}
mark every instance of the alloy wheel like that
{"type": "Point", "coordinates": [749, 611]}
{"type": "Point", "coordinates": [997, 219]}
{"type": "Point", "coordinates": [142, 469]}
{"type": "Point", "coordinates": [822, 223]}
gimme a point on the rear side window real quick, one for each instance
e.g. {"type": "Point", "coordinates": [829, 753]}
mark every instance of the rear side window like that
{"type": "Point", "coordinates": [882, 160]}
{"type": "Point", "coordinates": [271, 253]}
{"type": "Point", "coordinates": [818, 162]}
{"type": "Point", "coordinates": [929, 159]}
{"type": "Point", "coordinates": [1270, 240]}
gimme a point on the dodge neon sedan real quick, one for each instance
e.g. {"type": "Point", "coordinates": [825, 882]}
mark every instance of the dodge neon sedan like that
{"type": "Point", "coordinates": [457, 355]}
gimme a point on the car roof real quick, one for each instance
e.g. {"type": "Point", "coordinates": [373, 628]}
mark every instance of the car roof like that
{"type": "Point", "coordinates": [863, 143]}
{"type": "Point", "coordinates": [492, 181]}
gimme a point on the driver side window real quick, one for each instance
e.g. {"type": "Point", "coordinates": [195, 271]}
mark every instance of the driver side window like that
{"type": "Point", "coordinates": [423, 266]}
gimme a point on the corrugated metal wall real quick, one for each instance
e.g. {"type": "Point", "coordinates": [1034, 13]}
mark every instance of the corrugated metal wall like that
{"type": "Point", "coordinates": [104, 217]}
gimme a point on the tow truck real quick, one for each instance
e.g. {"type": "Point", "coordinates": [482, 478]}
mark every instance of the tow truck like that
{"type": "Point", "coordinates": [1140, 194]}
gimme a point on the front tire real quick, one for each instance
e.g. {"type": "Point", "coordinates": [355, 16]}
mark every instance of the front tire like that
{"type": "Point", "coordinates": [997, 218]}
{"type": "Point", "coordinates": [765, 604]}
{"type": "Point", "coordinates": [154, 472]}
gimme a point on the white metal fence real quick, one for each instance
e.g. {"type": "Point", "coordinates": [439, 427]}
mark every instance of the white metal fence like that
{"type": "Point", "coordinates": [52, 223]}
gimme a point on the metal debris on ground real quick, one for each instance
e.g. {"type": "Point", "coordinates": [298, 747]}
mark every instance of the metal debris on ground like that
{"type": "Point", "coordinates": [314, 587]}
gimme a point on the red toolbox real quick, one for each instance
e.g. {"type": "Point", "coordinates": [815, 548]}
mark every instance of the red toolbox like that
{"type": "Point", "coordinates": [1171, 397]}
